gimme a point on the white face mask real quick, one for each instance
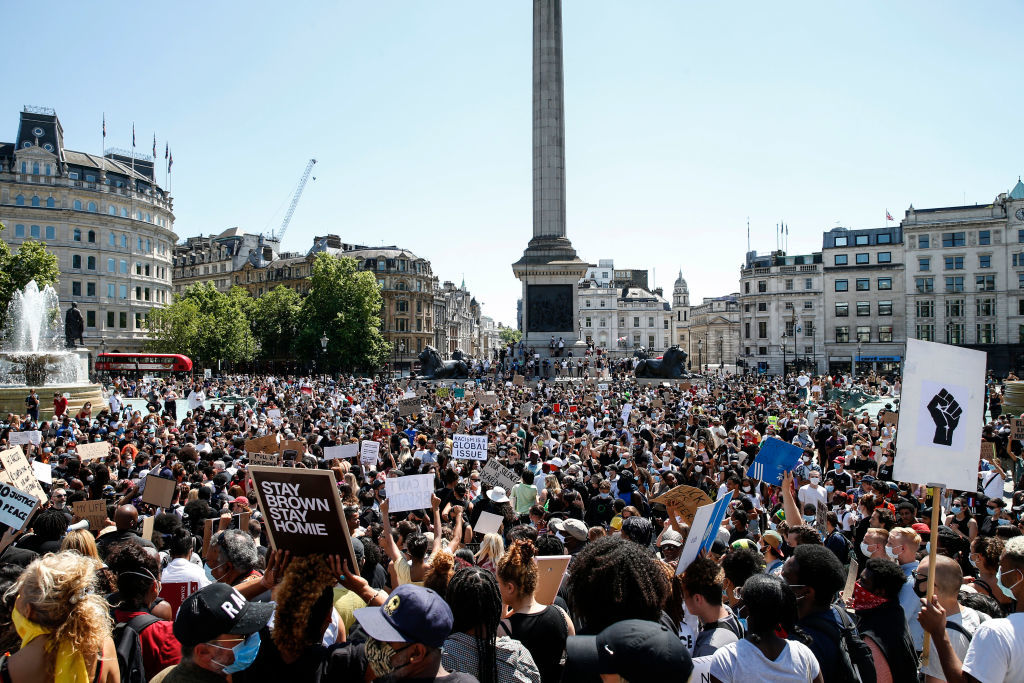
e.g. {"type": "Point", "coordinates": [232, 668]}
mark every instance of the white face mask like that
{"type": "Point", "coordinates": [746, 489]}
{"type": "Point", "coordinates": [891, 552]}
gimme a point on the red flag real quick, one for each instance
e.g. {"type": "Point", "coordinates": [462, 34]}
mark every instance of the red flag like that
{"type": "Point", "coordinates": [557, 408]}
{"type": "Point", "coordinates": [888, 216]}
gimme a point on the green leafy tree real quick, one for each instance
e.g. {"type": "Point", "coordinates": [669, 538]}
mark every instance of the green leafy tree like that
{"type": "Point", "coordinates": [32, 261]}
{"type": "Point", "coordinates": [510, 336]}
{"type": "Point", "coordinates": [343, 303]}
{"type": "Point", "coordinates": [274, 319]}
{"type": "Point", "coordinates": [204, 324]}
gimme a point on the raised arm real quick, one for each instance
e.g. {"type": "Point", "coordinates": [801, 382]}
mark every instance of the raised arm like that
{"type": "Point", "coordinates": [435, 506]}
{"type": "Point", "coordinates": [792, 510]}
{"type": "Point", "coordinates": [390, 549]}
{"type": "Point", "coordinates": [456, 541]}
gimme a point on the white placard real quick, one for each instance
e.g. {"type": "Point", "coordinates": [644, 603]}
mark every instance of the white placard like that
{"type": "Point", "coordinates": [495, 474]}
{"type": "Point", "coordinates": [489, 523]}
{"type": "Point", "coordinates": [369, 451]}
{"type": "Point", "coordinates": [25, 438]}
{"type": "Point", "coordinates": [626, 410]}
{"type": "Point", "coordinates": [349, 450]}
{"type": "Point", "coordinates": [44, 472]}
{"type": "Point", "coordinates": [409, 493]}
{"type": "Point", "coordinates": [274, 414]}
{"type": "Point", "coordinates": [96, 449]}
{"type": "Point", "coordinates": [940, 417]}
{"type": "Point", "coordinates": [15, 506]}
{"type": "Point", "coordinates": [469, 447]}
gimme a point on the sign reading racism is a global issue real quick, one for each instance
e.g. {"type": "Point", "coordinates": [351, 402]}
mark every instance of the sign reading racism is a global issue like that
{"type": "Point", "coordinates": [303, 511]}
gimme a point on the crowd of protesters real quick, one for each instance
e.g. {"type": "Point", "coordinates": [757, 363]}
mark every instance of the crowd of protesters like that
{"type": "Point", "coordinates": [433, 600]}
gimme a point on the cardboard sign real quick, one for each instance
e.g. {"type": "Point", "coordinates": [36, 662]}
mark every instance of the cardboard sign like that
{"type": "Point", "coordinates": [550, 571]}
{"type": "Point", "coordinates": [93, 510]}
{"type": "Point", "coordinates": [892, 418]}
{"type": "Point", "coordinates": [821, 510]}
{"type": "Point", "coordinates": [851, 580]}
{"type": "Point", "coordinates": [25, 438]}
{"type": "Point", "coordinates": [518, 380]}
{"type": "Point", "coordinates": [775, 457]}
{"type": "Point", "coordinates": [89, 451]}
{"type": "Point", "coordinates": [1017, 428]}
{"type": "Point", "coordinates": [158, 491]}
{"type": "Point", "coordinates": [349, 450]}
{"type": "Point", "coordinates": [147, 528]}
{"type": "Point", "coordinates": [21, 473]}
{"type": "Point", "coordinates": [302, 511]}
{"type": "Point", "coordinates": [657, 403]}
{"type": "Point", "coordinates": [43, 472]}
{"type": "Point", "coordinates": [527, 409]}
{"type": "Point", "coordinates": [264, 459]}
{"type": "Point", "coordinates": [288, 446]}
{"type": "Point", "coordinates": [441, 392]}
{"type": "Point", "coordinates": [686, 498]}
{"type": "Point", "coordinates": [487, 399]}
{"type": "Point", "coordinates": [469, 447]}
{"type": "Point", "coordinates": [207, 535]}
{"type": "Point", "coordinates": [488, 523]}
{"type": "Point", "coordinates": [264, 444]}
{"type": "Point", "coordinates": [685, 386]}
{"type": "Point", "coordinates": [409, 493]}
{"type": "Point", "coordinates": [369, 451]}
{"type": "Point", "coordinates": [495, 474]}
{"type": "Point", "coordinates": [988, 450]}
{"type": "Point", "coordinates": [408, 406]}
{"type": "Point", "coordinates": [16, 506]}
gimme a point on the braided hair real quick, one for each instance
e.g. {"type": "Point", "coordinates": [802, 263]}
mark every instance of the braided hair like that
{"type": "Point", "coordinates": [476, 605]}
{"type": "Point", "coordinates": [770, 603]}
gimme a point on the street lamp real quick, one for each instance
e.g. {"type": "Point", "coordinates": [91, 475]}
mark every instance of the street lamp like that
{"type": "Point", "coordinates": [401, 352]}
{"type": "Point", "coordinates": [783, 356]}
{"type": "Point", "coordinates": [855, 358]}
{"type": "Point", "coordinates": [323, 352]}
{"type": "Point", "coordinates": [700, 355]}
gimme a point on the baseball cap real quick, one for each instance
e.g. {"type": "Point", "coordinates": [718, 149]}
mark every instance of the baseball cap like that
{"type": "Point", "coordinates": [219, 609]}
{"type": "Point", "coordinates": [921, 528]}
{"type": "Point", "coordinates": [632, 648]}
{"type": "Point", "coordinates": [671, 537]}
{"type": "Point", "coordinates": [412, 614]}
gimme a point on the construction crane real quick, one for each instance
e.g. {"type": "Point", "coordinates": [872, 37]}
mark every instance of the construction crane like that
{"type": "Point", "coordinates": [279, 235]}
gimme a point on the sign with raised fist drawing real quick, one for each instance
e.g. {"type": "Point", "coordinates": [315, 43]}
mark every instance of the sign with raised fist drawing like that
{"type": "Point", "coordinates": [945, 412]}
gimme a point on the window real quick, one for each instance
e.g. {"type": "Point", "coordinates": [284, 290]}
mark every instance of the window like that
{"type": "Point", "coordinates": [650, 322]}
{"type": "Point", "coordinates": [863, 308]}
{"type": "Point", "coordinates": [884, 308]}
{"type": "Point", "coordinates": [762, 330]}
{"type": "Point", "coordinates": [863, 259]}
{"type": "Point", "coordinates": [124, 241]}
{"type": "Point", "coordinates": [955, 284]}
{"type": "Point", "coordinates": [885, 257]}
{"type": "Point", "coordinates": [762, 350]}
{"type": "Point", "coordinates": [111, 290]}
{"type": "Point", "coordinates": [860, 240]}
{"type": "Point", "coordinates": [91, 263]}
{"type": "Point", "coordinates": [111, 209]}
{"type": "Point", "coordinates": [863, 284]}
{"type": "Point", "coordinates": [19, 230]}
{"type": "Point", "coordinates": [78, 205]}
{"type": "Point", "coordinates": [985, 307]}
{"type": "Point", "coordinates": [842, 310]}
{"type": "Point", "coordinates": [842, 241]}
{"type": "Point", "coordinates": [954, 262]}
{"type": "Point", "coordinates": [1020, 306]}
{"type": "Point", "coordinates": [925, 284]}
{"type": "Point", "coordinates": [808, 305]}
{"type": "Point", "coordinates": [842, 334]}
{"type": "Point", "coordinates": [50, 202]}
{"type": "Point", "coordinates": [35, 200]}
{"type": "Point", "coordinates": [76, 235]}
{"type": "Point", "coordinates": [808, 283]}
{"type": "Point", "coordinates": [90, 289]}
{"type": "Point", "coordinates": [926, 332]}
{"type": "Point", "coordinates": [790, 326]}
{"type": "Point", "coordinates": [138, 293]}
{"type": "Point", "coordinates": [124, 212]}
{"type": "Point", "coordinates": [984, 237]}
{"type": "Point", "coordinates": [788, 306]}
{"type": "Point", "coordinates": [762, 286]}
{"type": "Point", "coordinates": [808, 328]}
{"type": "Point", "coordinates": [139, 243]}
{"type": "Point", "coordinates": [985, 283]}
{"type": "Point", "coordinates": [924, 264]}
{"type": "Point", "coordinates": [746, 285]}
{"type": "Point", "coordinates": [122, 320]}
{"type": "Point", "coordinates": [91, 237]}
{"type": "Point", "coordinates": [842, 285]}
{"type": "Point", "coordinates": [124, 267]}
{"type": "Point", "coordinates": [636, 321]}
{"type": "Point", "coordinates": [139, 320]}
{"type": "Point", "coordinates": [954, 239]}
{"type": "Point", "coordinates": [1018, 260]}
{"type": "Point", "coordinates": [90, 318]}
{"type": "Point", "coordinates": [19, 200]}
{"type": "Point", "coordinates": [51, 232]}
{"type": "Point", "coordinates": [955, 333]}
{"type": "Point", "coordinates": [925, 308]}
{"type": "Point", "coordinates": [885, 283]}
{"type": "Point", "coordinates": [92, 207]}
{"type": "Point", "coordinates": [588, 303]}
{"type": "Point", "coordinates": [122, 291]}
{"type": "Point", "coordinates": [762, 306]}
{"type": "Point", "coordinates": [76, 261]}
{"type": "Point", "coordinates": [76, 289]}
{"type": "Point", "coordinates": [746, 327]}
{"type": "Point", "coordinates": [884, 238]}
{"type": "Point", "coordinates": [885, 333]}
{"type": "Point", "coordinates": [985, 261]}
{"type": "Point", "coordinates": [110, 320]}
{"type": "Point", "coordinates": [34, 232]}
{"type": "Point", "coordinates": [841, 259]}
{"type": "Point", "coordinates": [864, 333]}
{"type": "Point", "coordinates": [955, 308]}
{"type": "Point", "coordinates": [923, 242]}
{"type": "Point", "coordinates": [111, 265]}
{"type": "Point", "coordinates": [789, 285]}
{"type": "Point", "coordinates": [113, 240]}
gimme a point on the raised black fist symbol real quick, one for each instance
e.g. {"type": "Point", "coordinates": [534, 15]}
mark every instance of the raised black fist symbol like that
{"type": "Point", "coordinates": [945, 412]}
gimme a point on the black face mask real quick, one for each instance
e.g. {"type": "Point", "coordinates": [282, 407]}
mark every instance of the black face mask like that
{"type": "Point", "coordinates": [920, 587]}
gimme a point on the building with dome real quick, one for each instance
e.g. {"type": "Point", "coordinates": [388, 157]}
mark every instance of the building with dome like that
{"type": "Point", "coordinates": [680, 323]}
{"type": "Point", "coordinates": [620, 312]}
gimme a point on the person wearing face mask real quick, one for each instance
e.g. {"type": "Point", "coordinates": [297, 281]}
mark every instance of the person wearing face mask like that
{"type": "Point", "coordinates": [873, 545]}
{"type": "Point", "coordinates": [961, 521]}
{"type": "Point", "coordinates": [838, 478]}
{"type": "Point", "coordinates": [219, 632]}
{"type": "Point", "coordinates": [879, 621]}
{"type": "Point", "coordinates": [984, 557]}
{"type": "Point", "coordinates": [812, 493]}
{"type": "Point", "coordinates": [902, 548]}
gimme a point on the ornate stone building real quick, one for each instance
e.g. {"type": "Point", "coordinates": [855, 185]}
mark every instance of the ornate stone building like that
{"type": "Point", "coordinates": [218, 258]}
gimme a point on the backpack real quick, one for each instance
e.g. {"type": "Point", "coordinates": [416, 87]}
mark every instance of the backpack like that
{"type": "Point", "coordinates": [855, 664]}
{"type": "Point", "coordinates": [129, 647]}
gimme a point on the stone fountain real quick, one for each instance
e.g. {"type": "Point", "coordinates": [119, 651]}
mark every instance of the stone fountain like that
{"type": "Point", "coordinates": [33, 354]}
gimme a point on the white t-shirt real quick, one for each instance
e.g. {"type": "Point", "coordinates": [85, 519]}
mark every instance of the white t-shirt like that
{"type": "Point", "coordinates": [996, 654]}
{"type": "Point", "coordinates": [808, 494]}
{"type": "Point", "coordinates": [970, 620]}
{"type": "Point", "coordinates": [743, 661]}
{"type": "Point", "coordinates": [994, 484]}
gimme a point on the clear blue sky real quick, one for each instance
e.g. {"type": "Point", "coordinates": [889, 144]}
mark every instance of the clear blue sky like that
{"type": "Point", "coordinates": [682, 119]}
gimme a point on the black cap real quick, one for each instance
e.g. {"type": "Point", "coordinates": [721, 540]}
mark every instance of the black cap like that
{"type": "Point", "coordinates": [216, 610]}
{"type": "Point", "coordinates": [634, 649]}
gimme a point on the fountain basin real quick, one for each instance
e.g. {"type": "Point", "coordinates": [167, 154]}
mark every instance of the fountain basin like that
{"type": "Point", "coordinates": [12, 399]}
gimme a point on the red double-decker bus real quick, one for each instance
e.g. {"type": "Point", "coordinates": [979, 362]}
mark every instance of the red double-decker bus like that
{"type": "Point", "coordinates": [145, 363]}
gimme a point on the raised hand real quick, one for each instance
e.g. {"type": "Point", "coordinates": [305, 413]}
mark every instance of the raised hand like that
{"type": "Point", "coordinates": [945, 412]}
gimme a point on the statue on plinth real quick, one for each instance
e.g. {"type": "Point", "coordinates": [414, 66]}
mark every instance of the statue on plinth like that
{"type": "Point", "coordinates": [74, 326]}
{"type": "Point", "coordinates": [433, 367]}
{"type": "Point", "coordinates": [669, 367]}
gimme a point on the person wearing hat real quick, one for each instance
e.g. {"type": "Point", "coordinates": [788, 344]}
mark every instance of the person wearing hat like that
{"type": "Point", "coordinates": [632, 649]}
{"type": "Point", "coordinates": [219, 632]}
{"type": "Point", "coordinates": [405, 635]}
{"type": "Point", "coordinates": [670, 544]}
{"type": "Point", "coordinates": [774, 552]}
{"type": "Point", "coordinates": [571, 532]}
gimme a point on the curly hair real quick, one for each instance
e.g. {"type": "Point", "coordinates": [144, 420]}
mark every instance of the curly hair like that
{"type": "Point", "coordinates": [137, 568]}
{"type": "Point", "coordinates": [613, 579]}
{"type": "Point", "coordinates": [440, 572]}
{"type": "Point", "coordinates": [60, 589]}
{"type": "Point", "coordinates": [304, 581]}
{"type": "Point", "coordinates": [990, 549]}
{"type": "Point", "coordinates": [518, 568]}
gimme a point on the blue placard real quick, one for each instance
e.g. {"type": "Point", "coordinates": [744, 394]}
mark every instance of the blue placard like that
{"type": "Point", "coordinates": [717, 515]}
{"type": "Point", "coordinates": [775, 457]}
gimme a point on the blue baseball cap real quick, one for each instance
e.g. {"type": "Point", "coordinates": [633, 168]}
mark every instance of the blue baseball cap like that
{"type": "Point", "coordinates": [411, 614]}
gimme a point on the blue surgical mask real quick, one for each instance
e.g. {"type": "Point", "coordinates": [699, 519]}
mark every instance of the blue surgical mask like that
{"type": "Point", "coordinates": [970, 558]}
{"type": "Point", "coordinates": [209, 571]}
{"type": "Point", "coordinates": [809, 518]}
{"type": "Point", "coordinates": [1002, 521]}
{"type": "Point", "coordinates": [830, 488]}
{"type": "Point", "coordinates": [956, 509]}
{"type": "Point", "coordinates": [1007, 590]}
{"type": "Point", "coordinates": [245, 654]}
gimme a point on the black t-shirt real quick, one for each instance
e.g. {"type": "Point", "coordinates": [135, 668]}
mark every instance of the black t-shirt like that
{"type": "Point", "coordinates": [348, 662]}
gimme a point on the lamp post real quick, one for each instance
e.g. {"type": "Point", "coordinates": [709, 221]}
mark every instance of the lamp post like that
{"type": "Point", "coordinates": [700, 355]}
{"type": "Point", "coordinates": [854, 375]}
{"type": "Point", "coordinates": [783, 355]}
{"type": "Point", "coordinates": [103, 349]}
{"type": "Point", "coordinates": [401, 354]}
{"type": "Point", "coordinates": [323, 352]}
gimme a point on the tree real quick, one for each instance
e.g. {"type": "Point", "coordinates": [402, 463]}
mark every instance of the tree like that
{"type": "Point", "coordinates": [510, 336]}
{"type": "Point", "coordinates": [204, 324]}
{"type": "Point", "coordinates": [343, 303]}
{"type": "Point", "coordinates": [31, 262]}
{"type": "Point", "coordinates": [274, 319]}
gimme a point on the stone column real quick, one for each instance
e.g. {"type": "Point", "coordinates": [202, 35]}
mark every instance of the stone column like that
{"type": "Point", "coordinates": [548, 121]}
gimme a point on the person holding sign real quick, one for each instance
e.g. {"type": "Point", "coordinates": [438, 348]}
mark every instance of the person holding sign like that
{"type": "Point", "coordinates": [410, 569]}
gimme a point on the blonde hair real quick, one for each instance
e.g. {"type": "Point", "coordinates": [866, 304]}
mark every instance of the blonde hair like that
{"type": "Point", "coordinates": [60, 589]}
{"type": "Point", "coordinates": [82, 542]}
{"type": "Point", "coordinates": [193, 495]}
{"type": "Point", "coordinates": [491, 548]}
{"type": "Point", "coordinates": [551, 484]}
{"type": "Point", "coordinates": [906, 533]}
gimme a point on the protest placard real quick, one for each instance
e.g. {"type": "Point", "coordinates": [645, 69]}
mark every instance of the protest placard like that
{"type": "Point", "coordinates": [147, 527]}
{"type": "Point", "coordinates": [408, 406]}
{"type": "Point", "coordinates": [518, 380]}
{"type": "Point", "coordinates": [409, 493]}
{"type": "Point", "coordinates": [469, 447]}
{"type": "Point", "coordinates": [90, 451]}
{"type": "Point", "coordinates": [274, 413]}
{"type": "Point", "coordinates": [685, 386]}
{"type": "Point", "coordinates": [657, 403]}
{"type": "Point", "coordinates": [526, 409]}
{"type": "Point", "coordinates": [158, 491]}
{"type": "Point", "coordinates": [263, 444]}
{"type": "Point", "coordinates": [703, 531]}
{"type": "Point", "coordinates": [264, 459]}
{"type": "Point", "coordinates": [43, 472]}
{"type": "Point", "coordinates": [435, 421]}
{"type": "Point", "coordinates": [292, 449]}
{"type": "Point", "coordinates": [16, 506]}
{"type": "Point", "coordinates": [459, 392]}
{"type": "Point", "coordinates": [488, 398]}
{"type": "Point", "coordinates": [25, 438]}
{"type": "Point", "coordinates": [550, 571]}
{"type": "Point", "coordinates": [303, 511]}
{"type": "Point", "coordinates": [93, 510]}
{"type": "Point", "coordinates": [1017, 428]}
{"type": "Point", "coordinates": [626, 410]}
{"type": "Point", "coordinates": [851, 580]}
{"type": "Point", "coordinates": [494, 474]}
{"type": "Point", "coordinates": [441, 392]}
{"type": "Point", "coordinates": [602, 387]}
{"type": "Point", "coordinates": [820, 513]}
{"type": "Point", "coordinates": [988, 450]}
{"type": "Point", "coordinates": [348, 450]}
{"type": "Point", "coordinates": [890, 418]}
{"type": "Point", "coordinates": [22, 475]}
{"type": "Point", "coordinates": [686, 498]}
{"type": "Point", "coordinates": [775, 457]}
{"type": "Point", "coordinates": [369, 451]}
{"type": "Point", "coordinates": [488, 523]}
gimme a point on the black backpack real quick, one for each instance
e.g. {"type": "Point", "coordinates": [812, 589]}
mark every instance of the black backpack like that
{"type": "Point", "coordinates": [129, 647]}
{"type": "Point", "coordinates": [856, 664]}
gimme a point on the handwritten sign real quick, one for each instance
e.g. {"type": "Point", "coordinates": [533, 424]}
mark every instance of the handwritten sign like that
{"type": "Point", "coordinates": [487, 399]}
{"type": "Point", "coordinates": [22, 475]}
{"type": "Point", "coordinates": [469, 447]}
{"type": "Point", "coordinates": [349, 450]}
{"type": "Point", "coordinates": [1017, 428]}
{"type": "Point", "coordinates": [264, 459]}
{"type": "Point", "coordinates": [441, 392]}
{"type": "Point", "coordinates": [292, 449]}
{"type": "Point", "coordinates": [409, 493]}
{"type": "Point", "coordinates": [25, 438]}
{"type": "Point", "coordinates": [988, 450]}
{"type": "Point", "coordinates": [89, 451]}
{"type": "Point", "coordinates": [43, 472]}
{"type": "Point", "coordinates": [369, 451]}
{"type": "Point", "coordinates": [686, 498]}
{"type": "Point", "coordinates": [495, 474]}
{"type": "Point", "coordinates": [264, 444]}
{"type": "Point", "coordinates": [16, 506]}
{"type": "Point", "coordinates": [820, 514]}
{"type": "Point", "coordinates": [93, 510]}
{"type": "Point", "coordinates": [408, 406]}
{"type": "Point", "coordinates": [518, 380]}
{"type": "Point", "coordinates": [890, 418]}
